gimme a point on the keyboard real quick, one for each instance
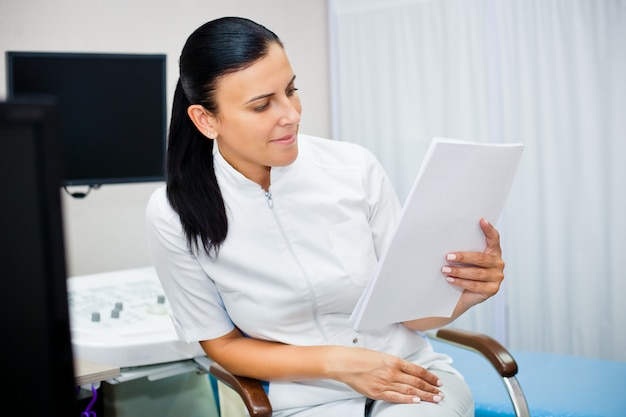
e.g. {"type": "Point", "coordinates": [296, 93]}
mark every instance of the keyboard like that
{"type": "Point", "coordinates": [121, 318]}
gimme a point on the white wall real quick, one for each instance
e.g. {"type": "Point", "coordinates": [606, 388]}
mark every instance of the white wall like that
{"type": "Point", "coordinates": [105, 230]}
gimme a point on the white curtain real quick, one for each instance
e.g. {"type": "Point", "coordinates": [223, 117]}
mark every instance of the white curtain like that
{"type": "Point", "coordinates": [548, 73]}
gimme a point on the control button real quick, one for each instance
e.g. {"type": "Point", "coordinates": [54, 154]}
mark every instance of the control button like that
{"type": "Point", "coordinates": [115, 313]}
{"type": "Point", "coordinates": [95, 316]}
{"type": "Point", "coordinates": [119, 306]}
{"type": "Point", "coordinates": [355, 340]}
{"type": "Point", "coordinates": [159, 308]}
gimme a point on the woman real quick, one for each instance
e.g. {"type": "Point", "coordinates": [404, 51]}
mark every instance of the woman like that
{"type": "Point", "coordinates": [264, 238]}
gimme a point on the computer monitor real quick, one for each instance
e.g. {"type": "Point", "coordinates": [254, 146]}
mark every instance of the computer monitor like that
{"type": "Point", "coordinates": [37, 363]}
{"type": "Point", "coordinates": [112, 111]}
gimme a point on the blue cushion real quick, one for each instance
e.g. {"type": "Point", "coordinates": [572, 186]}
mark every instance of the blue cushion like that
{"type": "Point", "coordinates": [554, 385]}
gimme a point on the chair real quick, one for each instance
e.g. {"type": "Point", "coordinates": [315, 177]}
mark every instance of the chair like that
{"type": "Point", "coordinates": [256, 402]}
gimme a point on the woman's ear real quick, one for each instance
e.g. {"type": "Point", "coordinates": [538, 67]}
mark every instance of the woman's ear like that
{"type": "Point", "coordinates": [203, 121]}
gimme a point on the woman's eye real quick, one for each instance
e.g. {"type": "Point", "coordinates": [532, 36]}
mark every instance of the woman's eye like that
{"type": "Point", "coordinates": [261, 108]}
{"type": "Point", "coordinates": [291, 91]}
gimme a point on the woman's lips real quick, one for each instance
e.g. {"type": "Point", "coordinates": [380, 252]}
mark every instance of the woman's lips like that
{"type": "Point", "coordinates": [286, 140]}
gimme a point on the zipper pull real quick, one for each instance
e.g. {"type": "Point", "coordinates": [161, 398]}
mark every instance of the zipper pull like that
{"type": "Point", "coordinates": [270, 202]}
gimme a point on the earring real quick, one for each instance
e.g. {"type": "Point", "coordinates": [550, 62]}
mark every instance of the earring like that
{"type": "Point", "coordinates": [210, 135]}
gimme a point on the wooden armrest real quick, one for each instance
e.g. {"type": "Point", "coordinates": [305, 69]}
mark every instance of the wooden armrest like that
{"type": "Point", "coordinates": [250, 390]}
{"type": "Point", "coordinates": [490, 348]}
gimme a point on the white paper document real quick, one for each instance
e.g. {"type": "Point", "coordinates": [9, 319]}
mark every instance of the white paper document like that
{"type": "Point", "coordinates": [459, 182]}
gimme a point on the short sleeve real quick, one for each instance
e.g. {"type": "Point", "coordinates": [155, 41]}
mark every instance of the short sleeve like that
{"type": "Point", "coordinates": [384, 204]}
{"type": "Point", "coordinates": [197, 309]}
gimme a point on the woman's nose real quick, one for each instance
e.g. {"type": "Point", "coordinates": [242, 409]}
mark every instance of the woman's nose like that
{"type": "Point", "coordinates": [291, 113]}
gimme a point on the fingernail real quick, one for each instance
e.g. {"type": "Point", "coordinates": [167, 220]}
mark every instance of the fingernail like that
{"type": "Point", "coordinates": [449, 279]}
{"type": "Point", "coordinates": [446, 269]}
{"type": "Point", "coordinates": [451, 256]}
{"type": "Point", "coordinates": [436, 398]}
{"type": "Point", "coordinates": [439, 383]}
{"type": "Point", "coordinates": [416, 400]}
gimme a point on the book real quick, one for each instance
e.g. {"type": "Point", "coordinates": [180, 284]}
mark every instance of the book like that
{"type": "Point", "coordinates": [459, 182]}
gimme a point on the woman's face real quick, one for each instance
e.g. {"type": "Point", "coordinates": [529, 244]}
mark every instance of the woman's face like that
{"type": "Point", "coordinates": [259, 114]}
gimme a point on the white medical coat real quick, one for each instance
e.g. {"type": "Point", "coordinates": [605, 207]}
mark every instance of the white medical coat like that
{"type": "Point", "coordinates": [294, 262]}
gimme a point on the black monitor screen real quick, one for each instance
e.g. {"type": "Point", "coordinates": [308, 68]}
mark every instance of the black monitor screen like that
{"type": "Point", "coordinates": [37, 351]}
{"type": "Point", "coordinates": [112, 109]}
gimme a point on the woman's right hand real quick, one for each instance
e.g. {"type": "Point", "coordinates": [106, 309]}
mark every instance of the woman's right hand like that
{"type": "Point", "coordinates": [377, 375]}
{"type": "Point", "coordinates": [381, 376]}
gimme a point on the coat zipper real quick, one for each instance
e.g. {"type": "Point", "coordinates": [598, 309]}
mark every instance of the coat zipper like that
{"type": "Point", "coordinates": [270, 204]}
{"type": "Point", "coordinates": [268, 197]}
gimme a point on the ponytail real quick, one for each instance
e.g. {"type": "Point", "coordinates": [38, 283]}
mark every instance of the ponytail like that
{"type": "Point", "coordinates": [192, 188]}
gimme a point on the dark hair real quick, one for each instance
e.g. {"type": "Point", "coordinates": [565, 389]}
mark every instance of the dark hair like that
{"type": "Point", "coordinates": [217, 48]}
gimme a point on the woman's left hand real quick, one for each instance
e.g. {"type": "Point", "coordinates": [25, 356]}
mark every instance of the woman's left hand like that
{"type": "Point", "coordinates": [479, 274]}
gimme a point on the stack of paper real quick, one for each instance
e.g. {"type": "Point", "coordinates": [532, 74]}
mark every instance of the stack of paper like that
{"type": "Point", "coordinates": [459, 183]}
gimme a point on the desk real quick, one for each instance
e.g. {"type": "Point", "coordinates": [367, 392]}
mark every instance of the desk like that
{"type": "Point", "coordinates": [87, 372]}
